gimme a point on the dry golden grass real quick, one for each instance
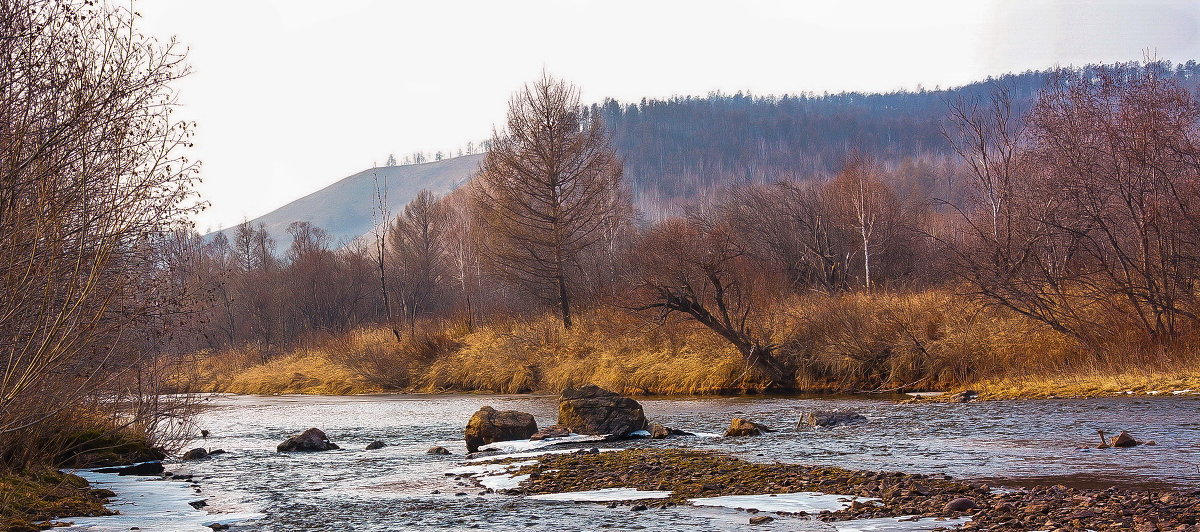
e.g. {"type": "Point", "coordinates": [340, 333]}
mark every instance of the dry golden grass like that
{"type": "Point", "coordinates": [879, 342]}
{"type": "Point", "coordinates": [299, 373]}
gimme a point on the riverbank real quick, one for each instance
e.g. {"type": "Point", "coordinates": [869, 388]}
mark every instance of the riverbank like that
{"type": "Point", "coordinates": [692, 476]}
{"type": "Point", "coordinates": [856, 343]}
{"type": "Point", "coordinates": [32, 501]}
{"type": "Point", "coordinates": [1183, 381]}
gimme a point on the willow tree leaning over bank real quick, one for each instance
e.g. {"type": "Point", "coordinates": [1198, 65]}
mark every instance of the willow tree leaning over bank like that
{"type": "Point", "coordinates": [92, 180]}
{"type": "Point", "coordinates": [548, 190]}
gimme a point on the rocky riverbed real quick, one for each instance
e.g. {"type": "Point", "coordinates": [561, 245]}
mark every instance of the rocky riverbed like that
{"type": "Point", "coordinates": [689, 475]}
{"type": "Point", "coordinates": [1028, 445]}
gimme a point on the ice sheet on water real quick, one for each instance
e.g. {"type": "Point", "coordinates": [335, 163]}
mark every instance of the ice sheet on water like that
{"type": "Point", "coordinates": [502, 481]}
{"type": "Point", "coordinates": [602, 495]}
{"type": "Point", "coordinates": [150, 503]}
{"type": "Point", "coordinates": [897, 524]}
{"type": "Point", "coordinates": [806, 501]}
{"type": "Point", "coordinates": [517, 446]}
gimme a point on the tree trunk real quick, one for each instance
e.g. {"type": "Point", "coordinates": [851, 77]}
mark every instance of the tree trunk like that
{"type": "Point", "coordinates": [775, 374]}
{"type": "Point", "coordinates": [564, 302]}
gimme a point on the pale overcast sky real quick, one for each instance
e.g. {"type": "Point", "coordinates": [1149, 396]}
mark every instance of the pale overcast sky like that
{"type": "Point", "coordinates": [292, 95]}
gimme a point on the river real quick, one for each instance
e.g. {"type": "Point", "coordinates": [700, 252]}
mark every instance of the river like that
{"type": "Point", "coordinates": [1010, 443]}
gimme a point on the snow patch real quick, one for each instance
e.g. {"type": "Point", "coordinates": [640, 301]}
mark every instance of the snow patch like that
{"type": "Point", "coordinates": [810, 502]}
{"type": "Point", "coordinates": [602, 495]}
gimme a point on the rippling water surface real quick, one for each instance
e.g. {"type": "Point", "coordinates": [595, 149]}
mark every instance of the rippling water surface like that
{"type": "Point", "coordinates": [1017, 443]}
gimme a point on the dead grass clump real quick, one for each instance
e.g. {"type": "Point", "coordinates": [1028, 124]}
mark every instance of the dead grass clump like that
{"type": "Point", "coordinates": [907, 341]}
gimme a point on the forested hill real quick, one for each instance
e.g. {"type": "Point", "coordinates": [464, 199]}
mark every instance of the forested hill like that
{"type": "Point", "coordinates": [684, 146]}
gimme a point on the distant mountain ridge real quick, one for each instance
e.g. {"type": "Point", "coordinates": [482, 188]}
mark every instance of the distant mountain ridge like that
{"type": "Point", "coordinates": [345, 208]}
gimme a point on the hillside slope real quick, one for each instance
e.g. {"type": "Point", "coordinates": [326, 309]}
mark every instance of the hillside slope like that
{"type": "Point", "coordinates": [345, 207]}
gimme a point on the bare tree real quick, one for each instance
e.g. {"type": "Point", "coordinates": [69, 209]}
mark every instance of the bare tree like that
{"type": "Point", "coordinates": [1086, 222]}
{"type": "Point", "coordinates": [380, 217]}
{"type": "Point", "coordinates": [791, 226]}
{"type": "Point", "coordinates": [866, 206]}
{"type": "Point", "coordinates": [548, 190]}
{"type": "Point", "coordinates": [697, 267]}
{"type": "Point", "coordinates": [419, 239]}
{"type": "Point", "coordinates": [92, 178]}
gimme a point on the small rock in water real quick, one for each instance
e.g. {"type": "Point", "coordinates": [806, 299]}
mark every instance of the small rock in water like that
{"type": "Point", "coordinates": [658, 431]}
{"type": "Point", "coordinates": [829, 418]}
{"type": "Point", "coordinates": [142, 469]}
{"type": "Point", "coordinates": [761, 519]}
{"type": "Point", "coordinates": [638, 508]}
{"type": "Point", "coordinates": [218, 526]}
{"type": "Point", "coordinates": [310, 440]}
{"type": "Point", "coordinates": [553, 431]}
{"type": "Point", "coordinates": [376, 445]}
{"type": "Point", "coordinates": [745, 427]}
{"type": "Point", "coordinates": [1124, 440]}
{"type": "Point", "coordinates": [965, 396]}
{"type": "Point", "coordinates": [961, 504]}
{"type": "Point", "coordinates": [438, 450]}
{"type": "Point", "coordinates": [195, 454]}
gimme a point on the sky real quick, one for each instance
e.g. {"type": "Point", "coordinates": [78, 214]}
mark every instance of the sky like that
{"type": "Point", "coordinates": [293, 95]}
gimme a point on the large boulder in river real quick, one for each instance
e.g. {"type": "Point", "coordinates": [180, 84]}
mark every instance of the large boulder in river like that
{"type": "Point", "coordinates": [310, 440]}
{"type": "Point", "coordinates": [489, 425]}
{"type": "Point", "coordinates": [594, 410]}
{"type": "Point", "coordinates": [829, 418]}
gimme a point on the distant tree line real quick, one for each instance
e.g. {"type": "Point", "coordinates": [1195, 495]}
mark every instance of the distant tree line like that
{"type": "Point", "coordinates": [1076, 208]}
{"type": "Point", "coordinates": [687, 147]}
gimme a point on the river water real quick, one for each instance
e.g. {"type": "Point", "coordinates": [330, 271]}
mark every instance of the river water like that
{"type": "Point", "coordinates": [1013, 443]}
